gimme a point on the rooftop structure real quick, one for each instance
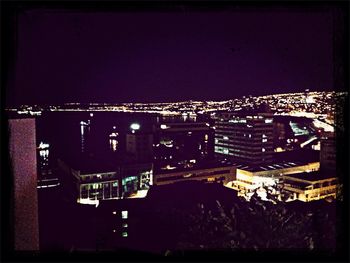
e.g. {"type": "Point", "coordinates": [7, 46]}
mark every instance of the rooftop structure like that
{"type": "Point", "coordinates": [205, 171]}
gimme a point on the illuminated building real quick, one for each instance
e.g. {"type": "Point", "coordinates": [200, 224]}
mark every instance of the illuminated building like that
{"type": "Point", "coordinates": [244, 138]}
{"type": "Point", "coordinates": [95, 183]}
{"type": "Point", "coordinates": [250, 178]}
{"type": "Point", "coordinates": [182, 141]}
{"type": "Point", "coordinates": [22, 147]}
{"type": "Point", "coordinates": [311, 186]}
{"type": "Point", "coordinates": [206, 173]}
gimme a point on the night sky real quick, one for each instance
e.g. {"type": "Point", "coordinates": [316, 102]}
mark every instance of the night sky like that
{"type": "Point", "coordinates": [169, 56]}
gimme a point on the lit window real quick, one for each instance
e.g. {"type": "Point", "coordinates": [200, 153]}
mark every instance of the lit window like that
{"type": "Point", "coordinates": [114, 212]}
{"type": "Point", "coordinates": [264, 140]}
{"type": "Point", "coordinates": [125, 234]}
{"type": "Point", "coordinates": [263, 149]}
{"type": "Point", "coordinates": [125, 214]}
{"type": "Point", "coordinates": [125, 225]}
{"type": "Point", "coordinates": [250, 136]}
{"type": "Point", "coordinates": [225, 138]}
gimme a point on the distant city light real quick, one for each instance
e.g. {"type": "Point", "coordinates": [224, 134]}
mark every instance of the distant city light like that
{"type": "Point", "coordinates": [310, 100]}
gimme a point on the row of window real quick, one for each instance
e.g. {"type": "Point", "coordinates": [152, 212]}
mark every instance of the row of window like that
{"type": "Point", "coordinates": [244, 151]}
{"type": "Point", "coordinates": [244, 144]}
{"type": "Point", "coordinates": [97, 176]}
{"type": "Point", "coordinates": [99, 194]}
{"type": "Point", "coordinates": [112, 184]}
{"type": "Point", "coordinates": [321, 193]}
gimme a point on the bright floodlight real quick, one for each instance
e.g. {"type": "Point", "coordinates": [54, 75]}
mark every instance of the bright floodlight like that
{"type": "Point", "coordinates": [135, 126]}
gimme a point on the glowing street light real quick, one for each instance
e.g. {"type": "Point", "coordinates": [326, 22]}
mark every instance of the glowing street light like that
{"type": "Point", "coordinates": [135, 126]}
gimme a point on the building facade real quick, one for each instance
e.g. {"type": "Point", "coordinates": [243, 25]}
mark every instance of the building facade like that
{"type": "Point", "coordinates": [182, 141]}
{"type": "Point", "coordinates": [328, 152]}
{"type": "Point", "coordinates": [244, 138]}
{"type": "Point", "coordinates": [124, 181]}
{"type": "Point", "coordinates": [311, 186]}
{"type": "Point", "coordinates": [140, 146]}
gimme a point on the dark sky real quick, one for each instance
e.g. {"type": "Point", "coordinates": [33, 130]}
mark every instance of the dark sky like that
{"type": "Point", "coordinates": [169, 56]}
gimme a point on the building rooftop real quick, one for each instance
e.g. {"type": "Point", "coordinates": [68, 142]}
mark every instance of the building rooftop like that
{"type": "Point", "coordinates": [208, 164]}
{"type": "Point", "coordinates": [312, 176]}
{"type": "Point", "coordinates": [269, 167]}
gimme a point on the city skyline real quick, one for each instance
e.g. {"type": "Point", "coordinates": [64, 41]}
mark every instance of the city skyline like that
{"type": "Point", "coordinates": [174, 128]}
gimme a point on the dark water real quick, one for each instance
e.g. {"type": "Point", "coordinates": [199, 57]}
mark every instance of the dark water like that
{"type": "Point", "coordinates": [63, 130]}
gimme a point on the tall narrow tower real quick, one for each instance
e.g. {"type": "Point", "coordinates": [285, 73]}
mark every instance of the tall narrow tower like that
{"type": "Point", "coordinates": [22, 147]}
